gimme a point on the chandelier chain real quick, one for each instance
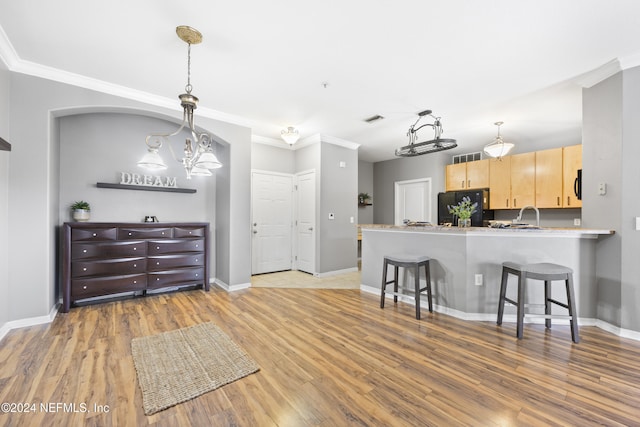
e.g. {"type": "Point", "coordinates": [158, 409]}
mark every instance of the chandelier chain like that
{"type": "Point", "coordinates": [188, 87]}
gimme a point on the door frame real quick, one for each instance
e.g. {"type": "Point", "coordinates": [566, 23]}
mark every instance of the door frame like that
{"type": "Point", "coordinates": [396, 198]}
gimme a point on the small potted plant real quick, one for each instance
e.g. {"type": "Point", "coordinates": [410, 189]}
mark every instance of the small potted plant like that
{"type": "Point", "coordinates": [363, 198]}
{"type": "Point", "coordinates": [81, 210]}
{"type": "Point", "coordinates": [463, 210]}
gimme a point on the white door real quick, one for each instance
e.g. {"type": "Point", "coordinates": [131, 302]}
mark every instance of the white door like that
{"type": "Point", "coordinates": [271, 222]}
{"type": "Point", "coordinates": [306, 224]}
{"type": "Point", "coordinates": [413, 200]}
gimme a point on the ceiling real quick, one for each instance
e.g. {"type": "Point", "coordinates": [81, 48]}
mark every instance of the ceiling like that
{"type": "Point", "coordinates": [325, 66]}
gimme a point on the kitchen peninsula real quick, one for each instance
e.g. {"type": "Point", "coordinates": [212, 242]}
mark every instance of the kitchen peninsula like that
{"type": "Point", "coordinates": [460, 255]}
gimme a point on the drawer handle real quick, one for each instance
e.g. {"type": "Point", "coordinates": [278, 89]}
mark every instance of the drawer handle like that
{"type": "Point", "coordinates": [84, 251]}
{"type": "Point", "coordinates": [84, 268]}
{"type": "Point", "coordinates": [197, 246]}
{"type": "Point", "coordinates": [95, 234]}
{"type": "Point", "coordinates": [196, 259]}
{"type": "Point", "coordinates": [135, 281]}
{"type": "Point", "coordinates": [163, 233]}
{"type": "Point", "coordinates": [135, 249]}
{"type": "Point", "coordinates": [135, 265]}
{"type": "Point", "coordinates": [84, 287]}
{"type": "Point", "coordinates": [189, 232]}
{"type": "Point", "coordinates": [157, 247]}
{"type": "Point", "coordinates": [157, 278]}
{"type": "Point", "coordinates": [196, 274]}
{"type": "Point", "coordinates": [158, 263]}
{"type": "Point", "coordinates": [130, 233]}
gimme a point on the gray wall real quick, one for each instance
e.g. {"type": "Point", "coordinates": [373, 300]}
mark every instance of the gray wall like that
{"type": "Point", "coordinates": [34, 176]}
{"type": "Point", "coordinates": [601, 162]}
{"type": "Point", "coordinates": [4, 198]}
{"type": "Point", "coordinates": [338, 195]}
{"type": "Point", "coordinates": [365, 185]}
{"type": "Point", "coordinates": [386, 173]}
{"type": "Point", "coordinates": [273, 159]}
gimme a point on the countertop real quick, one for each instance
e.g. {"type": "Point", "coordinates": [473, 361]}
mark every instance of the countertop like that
{"type": "Point", "coordinates": [488, 230]}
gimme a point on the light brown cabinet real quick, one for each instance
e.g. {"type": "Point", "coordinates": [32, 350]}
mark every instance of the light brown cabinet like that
{"type": "Point", "coordinates": [571, 163]}
{"type": "Point", "coordinates": [469, 175]}
{"type": "Point", "coordinates": [512, 181]}
{"type": "Point", "coordinates": [549, 178]}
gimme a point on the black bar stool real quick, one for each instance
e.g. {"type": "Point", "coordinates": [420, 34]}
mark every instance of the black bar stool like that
{"type": "Point", "coordinates": [407, 261]}
{"type": "Point", "coordinates": [546, 272]}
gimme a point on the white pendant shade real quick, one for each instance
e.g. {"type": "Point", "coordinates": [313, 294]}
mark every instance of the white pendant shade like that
{"type": "Point", "coordinates": [291, 135]}
{"type": "Point", "coordinates": [196, 171]}
{"type": "Point", "coordinates": [208, 160]}
{"type": "Point", "coordinates": [498, 148]}
{"type": "Point", "coordinates": [152, 160]}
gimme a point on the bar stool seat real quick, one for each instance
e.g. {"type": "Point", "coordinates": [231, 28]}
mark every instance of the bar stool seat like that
{"type": "Point", "coordinates": [546, 272]}
{"type": "Point", "coordinates": [413, 262]}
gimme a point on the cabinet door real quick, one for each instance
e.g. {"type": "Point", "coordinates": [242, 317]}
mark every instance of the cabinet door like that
{"type": "Point", "coordinates": [549, 178]}
{"type": "Point", "coordinates": [571, 162]}
{"type": "Point", "coordinates": [500, 183]}
{"type": "Point", "coordinates": [478, 174]}
{"type": "Point", "coordinates": [523, 180]}
{"type": "Point", "coordinates": [456, 177]}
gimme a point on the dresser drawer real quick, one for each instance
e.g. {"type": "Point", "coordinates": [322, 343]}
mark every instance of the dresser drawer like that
{"type": "Point", "coordinates": [186, 276]}
{"type": "Point", "coordinates": [103, 267]}
{"type": "Point", "coordinates": [160, 247]}
{"type": "Point", "coordinates": [182, 232]}
{"type": "Point", "coordinates": [164, 262]}
{"type": "Point", "coordinates": [93, 234]}
{"type": "Point", "coordinates": [109, 250]}
{"type": "Point", "coordinates": [126, 233]}
{"type": "Point", "coordinates": [91, 287]}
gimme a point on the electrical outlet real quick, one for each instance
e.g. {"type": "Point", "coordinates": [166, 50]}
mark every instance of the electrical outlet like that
{"type": "Point", "coordinates": [478, 279]}
{"type": "Point", "coordinates": [577, 222]}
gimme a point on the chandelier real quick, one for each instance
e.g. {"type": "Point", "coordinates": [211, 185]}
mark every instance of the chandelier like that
{"type": "Point", "coordinates": [198, 154]}
{"type": "Point", "coordinates": [498, 147]}
{"type": "Point", "coordinates": [432, 146]}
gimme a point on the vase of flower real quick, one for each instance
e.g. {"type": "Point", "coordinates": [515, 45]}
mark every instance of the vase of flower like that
{"type": "Point", "coordinates": [463, 211]}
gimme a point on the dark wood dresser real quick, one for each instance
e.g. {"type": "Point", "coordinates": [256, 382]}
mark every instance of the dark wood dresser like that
{"type": "Point", "coordinates": [100, 258]}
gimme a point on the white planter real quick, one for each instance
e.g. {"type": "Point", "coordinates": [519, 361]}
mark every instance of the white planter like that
{"type": "Point", "coordinates": [81, 215]}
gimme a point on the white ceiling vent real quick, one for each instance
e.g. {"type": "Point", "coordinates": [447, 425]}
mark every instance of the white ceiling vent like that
{"type": "Point", "coordinates": [469, 157]}
{"type": "Point", "coordinates": [374, 118]}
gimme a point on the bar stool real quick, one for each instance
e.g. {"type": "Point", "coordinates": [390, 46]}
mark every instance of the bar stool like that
{"type": "Point", "coordinates": [407, 261]}
{"type": "Point", "coordinates": [546, 272]}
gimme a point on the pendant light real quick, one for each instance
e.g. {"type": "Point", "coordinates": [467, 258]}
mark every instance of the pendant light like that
{"type": "Point", "coordinates": [290, 135]}
{"type": "Point", "coordinates": [198, 160]}
{"type": "Point", "coordinates": [498, 147]}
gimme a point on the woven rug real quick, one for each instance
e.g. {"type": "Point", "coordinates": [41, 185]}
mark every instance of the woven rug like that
{"type": "Point", "coordinates": [177, 366]}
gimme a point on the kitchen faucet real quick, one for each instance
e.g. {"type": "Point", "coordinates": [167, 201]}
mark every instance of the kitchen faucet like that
{"type": "Point", "coordinates": [519, 217]}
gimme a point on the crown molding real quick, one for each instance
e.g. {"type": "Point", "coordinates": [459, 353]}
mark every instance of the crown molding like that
{"type": "Point", "coordinates": [595, 76]}
{"type": "Point", "coordinates": [340, 142]}
{"type": "Point", "coordinates": [8, 54]}
{"type": "Point", "coordinates": [629, 61]}
{"type": "Point", "coordinates": [278, 143]}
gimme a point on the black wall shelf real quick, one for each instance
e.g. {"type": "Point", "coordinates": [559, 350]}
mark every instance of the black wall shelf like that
{"type": "Point", "coordinates": [145, 188]}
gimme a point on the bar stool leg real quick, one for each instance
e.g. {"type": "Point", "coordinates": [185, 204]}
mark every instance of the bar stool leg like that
{"type": "Point", "coordinates": [571, 303]}
{"type": "Point", "coordinates": [547, 303]}
{"type": "Point", "coordinates": [384, 282]}
{"type": "Point", "coordinates": [520, 299]}
{"type": "Point", "coordinates": [427, 276]}
{"type": "Point", "coordinates": [396, 279]}
{"type": "Point", "coordinates": [503, 292]}
{"type": "Point", "coordinates": [416, 274]}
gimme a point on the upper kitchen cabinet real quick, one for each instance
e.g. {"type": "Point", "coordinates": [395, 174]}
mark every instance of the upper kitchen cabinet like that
{"type": "Point", "coordinates": [549, 178]}
{"type": "Point", "coordinates": [523, 180]}
{"type": "Point", "coordinates": [571, 163]}
{"type": "Point", "coordinates": [500, 183]}
{"type": "Point", "coordinates": [468, 175]}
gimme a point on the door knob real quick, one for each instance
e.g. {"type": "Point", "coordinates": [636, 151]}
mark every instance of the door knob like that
{"type": "Point", "coordinates": [310, 228]}
{"type": "Point", "coordinates": [255, 231]}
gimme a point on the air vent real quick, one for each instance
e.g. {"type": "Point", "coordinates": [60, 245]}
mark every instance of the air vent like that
{"type": "Point", "coordinates": [469, 157]}
{"type": "Point", "coordinates": [374, 118]}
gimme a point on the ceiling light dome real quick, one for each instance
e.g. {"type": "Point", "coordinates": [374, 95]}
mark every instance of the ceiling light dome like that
{"type": "Point", "coordinates": [290, 135]}
{"type": "Point", "coordinates": [498, 147]}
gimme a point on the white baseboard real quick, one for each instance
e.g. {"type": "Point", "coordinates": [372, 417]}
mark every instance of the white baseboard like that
{"type": "Point", "coordinates": [511, 318]}
{"type": "Point", "coordinates": [336, 272]}
{"type": "Point", "coordinates": [30, 321]}
{"type": "Point", "coordinates": [230, 288]}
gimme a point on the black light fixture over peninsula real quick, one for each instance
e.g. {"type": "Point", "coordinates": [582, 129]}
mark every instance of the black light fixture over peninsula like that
{"type": "Point", "coordinates": [432, 146]}
{"type": "Point", "coordinates": [498, 147]}
{"type": "Point", "coordinates": [197, 160]}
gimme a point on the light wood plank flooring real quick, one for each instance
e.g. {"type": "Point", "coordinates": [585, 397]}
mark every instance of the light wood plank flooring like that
{"type": "Point", "coordinates": [327, 358]}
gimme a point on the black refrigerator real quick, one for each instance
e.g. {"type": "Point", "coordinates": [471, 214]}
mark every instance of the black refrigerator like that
{"type": "Point", "coordinates": [479, 219]}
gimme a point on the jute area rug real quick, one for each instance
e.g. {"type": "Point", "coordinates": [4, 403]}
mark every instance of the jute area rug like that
{"type": "Point", "coordinates": [177, 366]}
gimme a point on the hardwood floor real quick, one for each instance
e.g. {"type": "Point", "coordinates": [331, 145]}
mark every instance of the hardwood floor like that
{"type": "Point", "coordinates": [327, 358]}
